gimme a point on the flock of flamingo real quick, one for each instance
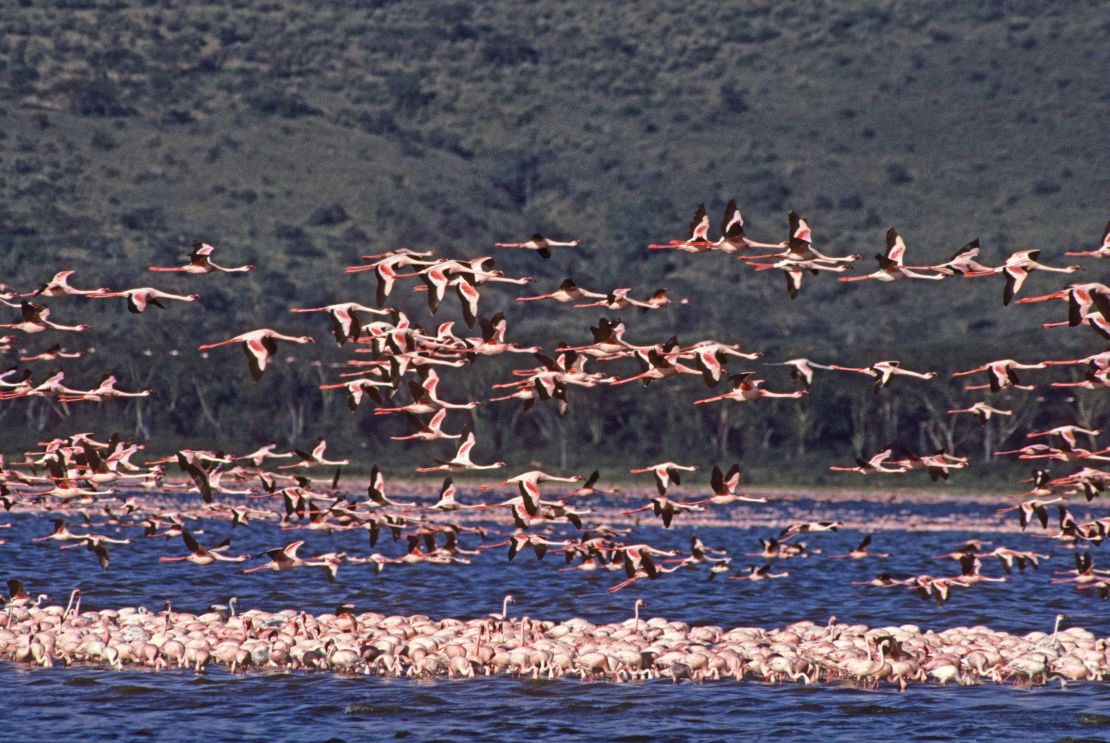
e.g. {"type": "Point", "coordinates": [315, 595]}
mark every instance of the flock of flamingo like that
{"type": "Point", "coordinates": [97, 480]}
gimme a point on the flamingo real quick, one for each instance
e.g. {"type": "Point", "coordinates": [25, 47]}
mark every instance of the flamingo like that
{"type": "Point", "coordinates": [258, 456]}
{"type": "Point", "coordinates": [532, 478]}
{"type": "Point", "coordinates": [357, 388]}
{"type": "Point", "coordinates": [883, 372]}
{"type": "Point", "coordinates": [200, 261]}
{"type": "Point", "coordinates": [1068, 433]}
{"type": "Point", "coordinates": [983, 411]}
{"type": "Point", "coordinates": [282, 558]}
{"type": "Point", "coordinates": [52, 354]}
{"type": "Point", "coordinates": [375, 491]}
{"type": "Point", "coordinates": [746, 388]}
{"type": "Point", "coordinates": [890, 264]}
{"type": "Point", "coordinates": [794, 271]}
{"type": "Point", "coordinates": [429, 431]}
{"type": "Point", "coordinates": [877, 464]}
{"type": "Point", "coordinates": [666, 509]}
{"type": "Point", "coordinates": [1017, 267]}
{"type": "Point", "coordinates": [862, 551]}
{"type": "Point", "coordinates": [619, 299]}
{"type": "Point", "coordinates": [260, 346]}
{"type": "Point", "coordinates": [50, 387]}
{"type": "Point", "coordinates": [756, 573]}
{"type": "Point", "coordinates": [1002, 374]}
{"type": "Point", "coordinates": [36, 320]}
{"type": "Point", "coordinates": [105, 389]}
{"type": "Point", "coordinates": [568, 291]}
{"type": "Point", "coordinates": [540, 244]}
{"type": "Point", "coordinates": [1094, 379]}
{"type": "Point", "coordinates": [665, 473]}
{"type": "Point", "coordinates": [658, 365]}
{"type": "Point", "coordinates": [724, 488]}
{"type": "Point", "coordinates": [446, 500]}
{"type": "Point", "coordinates": [697, 239]}
{"type": "Point", "coordinates": [59, 286]}
{"type": "Point", "coordinates": [385, 267]}
{"type": "Point", "coordinates": [800, 250]}
{"type": "Point", "coordinates": [504, 615]}
{"type": "Point", "coordinates": [801, 370]}
{"type": "Point", "coordinates": [733, 237]}
{"type": "Point", "coordinates": [808, 527]}
{"type": "Point", "coordinates": [1080, 298]}
{"type": "Point", "coordinates": [963, 262]}
{"type": "Point", "coordinates": [426, 399]}
{"type": "Point", "coordinates": [345, 322]}
{"type": "Point", "coordinates": [138, 299]}
{"type": "Point", "coordinates": [461, 461]}
{"type": "Point", "coordinates": [315, 457]}
{"type": "Point", "coordinates": [201, 555]}
{"type": "Point", "coordinates": [1103, 250]}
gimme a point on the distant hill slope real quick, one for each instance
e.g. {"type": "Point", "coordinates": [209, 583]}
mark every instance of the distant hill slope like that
{"type": "Point", "coordinates": [299, 138]}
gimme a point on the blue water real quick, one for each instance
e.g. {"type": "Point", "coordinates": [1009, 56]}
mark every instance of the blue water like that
{"type": "Point", "coordinates": [90, 704]}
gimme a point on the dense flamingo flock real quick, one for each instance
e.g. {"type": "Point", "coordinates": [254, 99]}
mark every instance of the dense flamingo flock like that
{"type": "Point", "coordinates": [418, 646]}
{"type": "Point", "coordinates": [96, 479]}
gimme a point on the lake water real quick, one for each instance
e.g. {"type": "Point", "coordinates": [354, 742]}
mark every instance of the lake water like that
{"type": "Point", "coordinates": [91, 704]}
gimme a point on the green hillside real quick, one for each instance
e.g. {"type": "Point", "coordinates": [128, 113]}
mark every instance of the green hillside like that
{"type": "Point", "coordinates": [300, 138]}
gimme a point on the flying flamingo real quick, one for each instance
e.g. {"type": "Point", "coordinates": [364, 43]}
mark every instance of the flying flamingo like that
{"type": "Point", "coordinates": [660, 366]}
{"type": "Point", "coordinates": [745, 388]}
{"type": "Point", "coordinates": [104, 390]}
{"type": "Point", "coordinates": [724, 488]}
{"type": "Point", "coordinates": [1068, 433]}
{"type": "Point", "coordinates": [1103, 250]}
{"type": "Point", "coordinates": [733, 237]}
{"type": "Point", "coordinates": [1017, 267]}
{"type": "Point", "coordinates": [1088, 302]}
{"type": "Point", "coordinates": [756, 573]}
{"type": "Point", "coordinates": [52, 354]}
{"type": "Point", "coordinates": [259, 346]}
{"type": "Point", "coordinates": [1002, 375]}
{"type": "Point", "coordinates": [200, 555]}
{"type": "Point", "coordinates": [665, 473]}
{"type": "Point", "coordinates": [385, 269]}
{"type": "Point", "coordinates": [138, 299]}
{"type": "Point", "coordinates": [540, 244]}
{"type": "Point", "coordinates": [375, 491]}
{"type": "Point", "coordinates": [200, 261]}
{"type": "Point", "coordinates": [59, 286]}
{"type": "Point", "coordinates": [429, 431]}
{"type": "Point", "coordinates": [963, 262]}
{"type": "Point", "coordinates": [861, 551]}
{"type": "Point", "coordinates": [356, 388]}
{"type": "Point", "coordinates": [983, 411]}
{"type": "Point", "coordinates": [50, 387]}
{"type": "Point", "coordinates": [461, 460]}
{"type": "Point", "coordinates": [891, 267]}
{"type": "Point", "coordinates": [532, 478]}
{"type": "Point", "coordinates": [36, 320]}
{"type": "Point", "coordinates": [568, 291]}
{"type": "Point", "coordinates": [258, 456]}
{"type": "Point", "coordinates": [282, 558]}
{"type": "Point", "coordinates": [345, 322]}
{"type": "Point", "coordinates": [315, 457]}
{"type": "Point", "coordinates": [801, 370]}
{"type": "Point", "coordinates": [883, 372]}
{"type": "Point", "coordinates": [800, 250]}
{"type": "Point", "coordinates": [875, 465]}
{"type": "Point", "coordinates": [697, 238]}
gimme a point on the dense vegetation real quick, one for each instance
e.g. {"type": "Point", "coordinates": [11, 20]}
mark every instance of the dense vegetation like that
{"type": "Point", "coordinates": [299, 138]}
